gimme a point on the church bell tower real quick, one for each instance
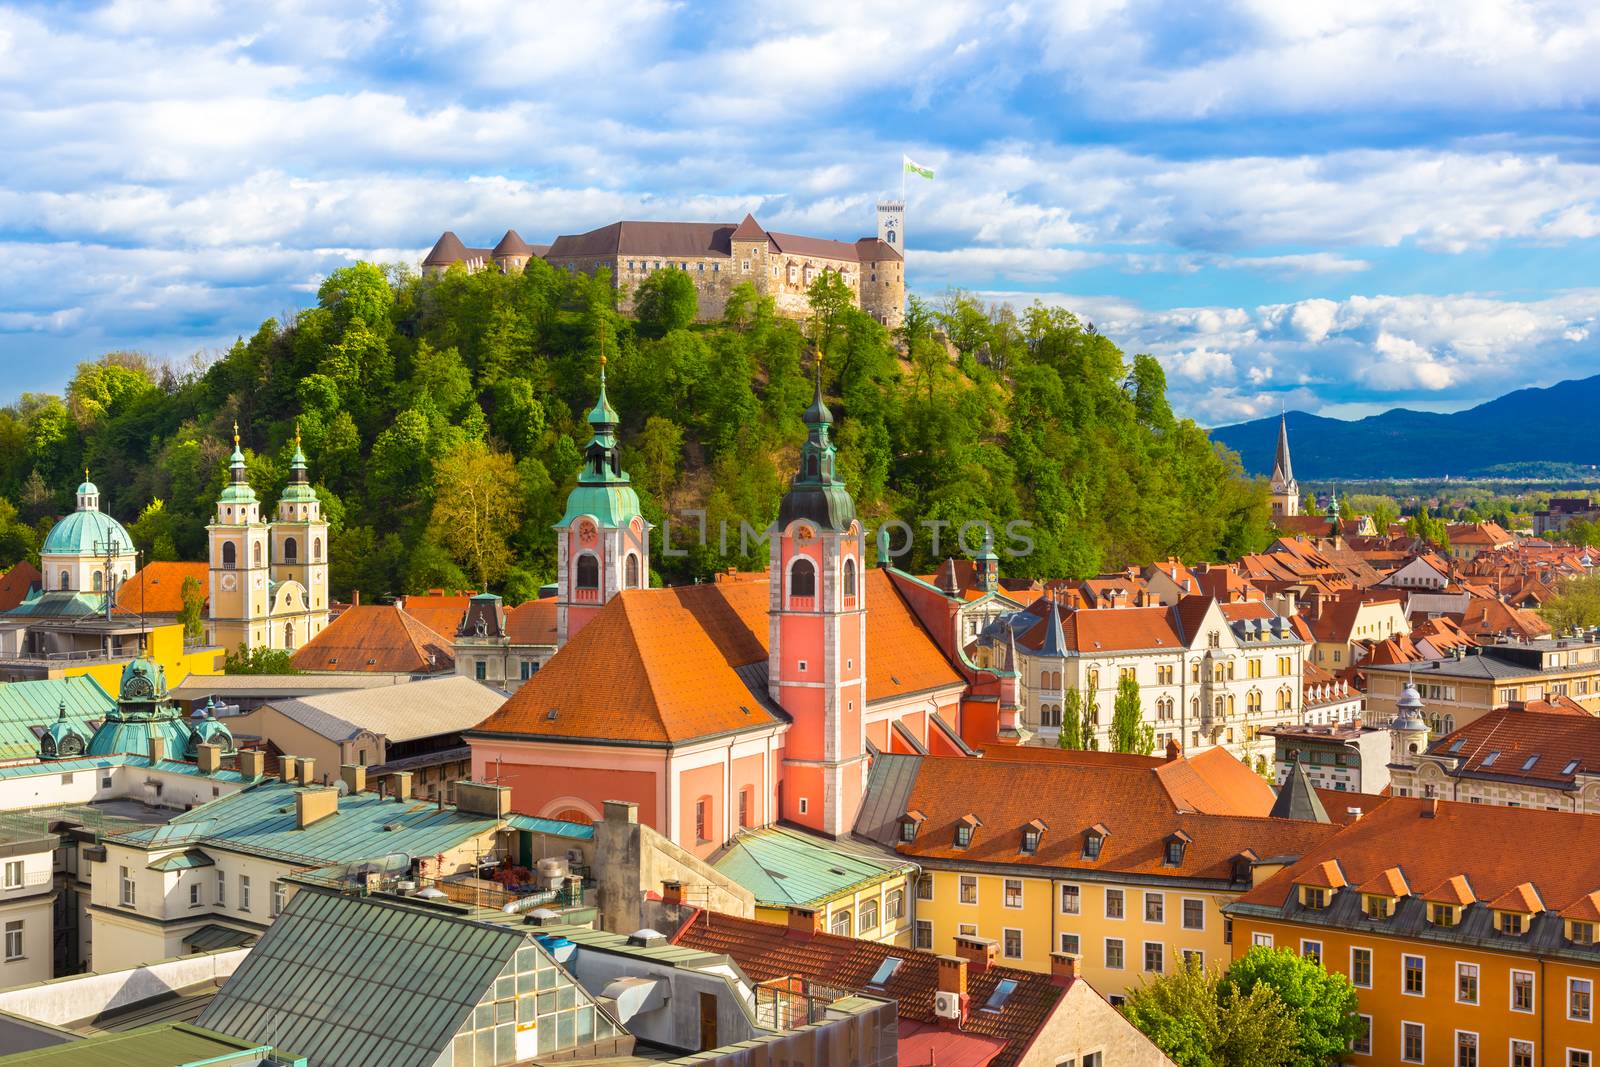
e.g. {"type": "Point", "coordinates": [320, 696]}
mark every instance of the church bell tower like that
{"type": "Point", "coordinates": [817, 652]}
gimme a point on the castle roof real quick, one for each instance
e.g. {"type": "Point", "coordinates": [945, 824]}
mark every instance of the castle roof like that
{"type": "Point", "coordinates": [701, 239]}
{"type": "Point", "coordinates": [512, 244]}
{"type": "Point", "coordinates": [447, 249]}
{"type": "Point", "coordinates": [749, 230]}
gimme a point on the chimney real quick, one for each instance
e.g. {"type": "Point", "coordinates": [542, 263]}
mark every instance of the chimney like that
{"type": "Point", "coordinates": [308, 768]}
{"type": "Point", "coordinates": [286, 768]}
{"type": "Point", "coordinates": [400, 785]}
{"type": "Point", "coordinates": [313, 805]}
{"type": "Point", "coordinates": [158, 749]}
{"type": "Point", "coordinates": [977, 951]}
{"type": "Point", "coordinates": [953, 975]}
{"type": "Point", "coordinates": [210, 758]}
{"type": "Point", "coordinates": [481, 798]}
{"type": "Point", "coordinates": [804, 923]}
{"type": "Point", "coordinates": [672, 894]}
{"type": "Point", "coordinates": [355, 598]}
{"type": "Point", "coordinates": [1063, 968]}
{"type": "Point", "coordinates": [1174, 750]}
{"type": "Point", "coordinates": [1432, 810]}
{"type": "Point", "coordinates": [354, 777]}
{"type": "Point", "coordinates": [252, 763]}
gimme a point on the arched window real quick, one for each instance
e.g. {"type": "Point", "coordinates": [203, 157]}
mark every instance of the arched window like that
{"type": "Point", "coordinates": [1094, 681]}
{"type": "Point", "coordinates": [97, 581]}
{"type": "Point", "coordinates": [1055, 679]}
{"type": "Point", "coordinates": [256, 554]}
{"type": "Point", "coordinates": [291, 550]}
{"type": "Point", "coordinates": [811, 465]}
{"type": "Point", "coordinates": [840, 923]}
{"type": "Point", "coordinates": [230, 555]}
{"type": "Point", "coordinates": [288, 635]}
{"type": "Point", "coordinates": [633, 571]}
{"type": "Point", "coordinates": [802, 579]}
{"type": "Point", "coordinates": [850, 578]}
{"type": "Point", "coordinates": [588, 572]}
{"type": "Point", "coordinates": [316, 549]}
{"type": "Point", "coordinates": [1194, 706]}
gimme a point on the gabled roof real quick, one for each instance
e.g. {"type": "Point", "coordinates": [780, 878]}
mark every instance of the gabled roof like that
{"type": "Point", "coordinates": [1216, 783]}
{"type": "Point", "coordinates": [1325, 874]}
{"type": "Point", "coordinates": [766, 951]}
{"type": "Point", "coordinates": [1297, 799]}
{"type": "Point", "coordinates": [1521, 898]}
{"type": "Point", "coordinates": [1565, 745]}
{"type": "Point", "coordinates": [782, 866]}
{"type": "Point", "coordinates": [532, 622]}
{"type": "Point", "coordinates": [440, 612]}
{"type": "Point", "coordinates": [26, 707]}
{"type": "Point", "coordinates": [687, 239]}
{"type": "Point", "coordinates": [17, 582]}
{"type": "Point", "coordinates": [749, 230]}
{"type": "Point", "coordinates": [1131, 802]}
{"type": "Point", "coordinates": [157, 587]}
{"type": "Point", "coordinates": [1389, 882]}
{"type": "Point", "coordinates": [362, 982]}
{"type": "Point", "coordinates": [383, 638]}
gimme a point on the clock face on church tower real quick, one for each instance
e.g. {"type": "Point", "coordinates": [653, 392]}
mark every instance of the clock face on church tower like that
{"type": "Point", "coordinates": [588, 534]}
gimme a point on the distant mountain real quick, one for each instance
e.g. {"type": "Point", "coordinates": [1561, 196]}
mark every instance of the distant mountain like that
{"type": "Point", "coordinates": [1552, 425]}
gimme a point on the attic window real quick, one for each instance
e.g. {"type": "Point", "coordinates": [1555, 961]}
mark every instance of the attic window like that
{"type": "Point", "coordinates": [371, 662]}
{"type": "Point", "coordinates": [1488, 761]}
{"type": "Point", "coordinates": [550, 716]}
{"type": "Point", "coordinates": [910, 823]}
{"type": "Point", "coordinates": [964, 830]}
{"type": "Point", "coordinates": [1002, 993]}
{"type": "Point", "coordinates": [1030, 838]}
{"type": "Point", "coordinates": [1092, 843]}
{"type": "Point", "coordinates": [1571, 766]}
{"type": "Point", "coordinates": [1457, 745]}
{"type": "Point", "coordinates": [1511, 922]}
{"type": "Point", "coordinates": [1530, 761]}
{"type": "Point", "coordinates": [1174, 851]}
{"type": "Point", "coordinates": [886, 970]}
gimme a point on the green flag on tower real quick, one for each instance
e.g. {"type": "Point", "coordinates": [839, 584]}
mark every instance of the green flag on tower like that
{"type": "Point", "coordinates": [913, 167]}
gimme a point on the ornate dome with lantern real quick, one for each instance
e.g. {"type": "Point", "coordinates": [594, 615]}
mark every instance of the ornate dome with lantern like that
{"type": "Point", "coordinates": [143, 713]}
{"type": "Point", "coordinates": [209, 730]}
{"type": "Point", "coordinates": [63, 739]}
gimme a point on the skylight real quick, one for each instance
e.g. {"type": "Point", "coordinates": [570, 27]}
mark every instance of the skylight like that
{"type": "Point", "coordinates": [1457, 745]}
{"type": "Point", "coordinates": [1571, 766]}
{"type": "Point", "coordinates": [1530, 761]}
{"type": "Point", "coordinates": [1002, 993]}
{"type": "Point", "coordinates": [1488, 761]}
{"type": "Point", "coordinates": [886, 970]}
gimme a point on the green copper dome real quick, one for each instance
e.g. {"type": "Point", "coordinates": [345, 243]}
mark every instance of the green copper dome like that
{"type": "Point", "coordinates": [209, 730]}
{"type": "Point", "coordinates": [143, 713]}
{"type": "Point", "coordinates": [86, 533]}
{"type": "Point", "coordinates": [63, 739]}
{"type": "Point", "coordinates": [299, 490]}
{"type": "Point", "coordinates": [604, 489]}
{"type": "Point", "coordinates": [238, 490]}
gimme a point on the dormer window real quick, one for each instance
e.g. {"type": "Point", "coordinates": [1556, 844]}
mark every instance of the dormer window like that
{"type": "Point", "coordinates": [910, 823]}
{"type": "Point", "coordinates": [1377, 907]}
{"type": "Point", "coordinates": [1511, 922]}
{"type": "Point", "coordinates": [1094, 840]}
{"type": "Point", "coordinates": [1175, 846]}
{"type": "Point", "coordinates": [964, 829]}
{"type": "Point", "coordinates": [1580, 933]}
{"type": "Point", "coordinates": [1314, 896]}
{"type": "Point", "coordinates": [1031, 835]}
{"type": "Point", "coordinates": [1443, 914]}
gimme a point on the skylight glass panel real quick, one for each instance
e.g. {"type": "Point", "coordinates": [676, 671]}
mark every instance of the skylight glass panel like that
{"type": "Point", "coordinates": [1002, 993]}
{"type": "Point", "coordinates": [1571, 766]}
{"type": "Point", "coordinates": [1457, 745]}
{"type": "Point", "coordinates": [1488, 761]}
{"type": "Point", "coordinates": [1530, 761]}
{"type": "Point", "coordinates": [886, 970]}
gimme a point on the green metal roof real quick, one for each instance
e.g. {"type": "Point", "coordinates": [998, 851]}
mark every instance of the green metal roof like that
{"type": "Point", "coordinates": [160, 1045]}
{"type": "Point", "coordinates": [26, 705]}
{"type": "Point", "coordinates": [363, 981]}
{"type": "Point", "coordinates": [183, 861]}
{"type": "Point", "coordinates": [611, 505]}
{"type": "Point", "coordinates": [578, 831]}
{"type": "Point", "coordinates": [214, 936]}
{"type": "Point", "coordinates": [261, 819]}
{"type": "Point", "coordinates": [783, 867]}
{"type": "Point", "coordinates": [61, 604]}
{"type": "Point", "coordinates": [85, 533]}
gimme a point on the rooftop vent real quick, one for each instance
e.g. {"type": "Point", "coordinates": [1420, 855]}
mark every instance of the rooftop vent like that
{"type": "Point", "coordinates": [647, 938]}
{"type": "Point", "coordinates": [391, 827]}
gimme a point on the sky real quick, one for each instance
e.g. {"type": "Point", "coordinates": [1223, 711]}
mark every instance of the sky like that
{"type": "Point", "coordinates": [1336, 206]}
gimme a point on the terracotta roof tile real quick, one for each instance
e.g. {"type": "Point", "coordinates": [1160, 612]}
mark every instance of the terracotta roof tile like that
{"type": "Point", "coordinates": [767, 951]}
{"type": "Point", "coordinates": [1453, 890]}
{"type": "Point", "coordinates": [439, 612]}
{"type": "Point", "coordinates": [1538, 746]}
{"type": "Point", "coordinates": [533, 622]}
{"type": "Point", "coordinates": [1325, 874]}
{"type": "Point", "coordinates": [1389, 882]}
{"type": "Point", "coordinates": [1523, 898]}
{"type": "Point", "coordinates": [1132, 803]}
{"type": "Point", "coordinates": [157, 588]}
{"type": "Point", "coordinates": [16, 582]}
{"type": "Point", "coordinates": [1216, 783]}
{"type": "Point", "coordinates": [1585, 909]}
{"type": "Point", "coordinates": [381, 638]}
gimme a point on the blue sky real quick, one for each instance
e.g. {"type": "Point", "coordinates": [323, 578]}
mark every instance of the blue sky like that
{"type": "Point", "coordinates": [1337, 205]}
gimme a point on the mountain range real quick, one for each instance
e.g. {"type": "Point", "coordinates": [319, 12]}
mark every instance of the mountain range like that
{"type": "Point", "coordinates": [1551, 425]}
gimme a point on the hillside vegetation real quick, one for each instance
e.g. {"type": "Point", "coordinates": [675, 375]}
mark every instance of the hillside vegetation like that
{"type": "Point", "coordinates": [434, 407]}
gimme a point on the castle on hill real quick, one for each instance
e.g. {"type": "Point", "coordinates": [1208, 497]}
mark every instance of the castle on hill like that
{"type": "Point", "coordinates": [717, 256]}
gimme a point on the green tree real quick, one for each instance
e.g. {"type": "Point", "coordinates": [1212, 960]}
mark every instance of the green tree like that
{"type": "Point", "coordinates": [108, 386]}
{"type": "Point", "coordinates": [1384, 515]}
{"type": "Point", "coordinates": [1322, 1003]}
{"type": "Point", "coordinates": [831, 303]}
{"type": "Point", "coordinates": [962, 318]}
{"type": "Point", "coordinates": [665, 301]}
{"type": "Point", "coordinates": [18, 541]}
{"type": "Point", "coordinates": [1430, 529]}
{"type": "Point", "coordinates": [1129, 731]}
{"type": "Point", "coordinates": [192, 614]}
{"type": "Point", "coordinates": [1576, 604]}
{"type": "Point", "coordinates": [154, 532]}
{"type": "Point", "coordinates": [259, 660]}
{"type": "Point", "coordinates": [477, 503]}
{"type": "Point", "coordinates": [1071, 721]}
{"type": "Point", "coordinates": [1198, 1024]}
{"type": "Point", "coordinates": [656, 457]}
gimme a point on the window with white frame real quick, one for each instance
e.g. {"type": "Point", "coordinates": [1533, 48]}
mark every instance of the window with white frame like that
{"type": "Point", "coordinates": [1114, 953]}
{"type": "Point", "coordinates": [1522, 991]}
{"type": "Point", "coordinates": [1194, 914]}
{"type": "Point", "coordinates": [1071, 900]}
{"type": "Point", "coordinates": [969, 889]}
{"type": "Point", "coordinates": [1011, 943]}
{"type": "Point", "coordinates": [1466, 1048]}
{"type": "Point", "coordinates": [840, 923]}
{"type": "Point", "coordinates": [867, 916]}
{"type": "Point", "coordinates": [127, 897]}
{"type": "Point", "coordinates": [1580, 1000]}
{"type": "Point", "coordinates": [1069, 944]}
{"type": "Point", "coordinates": [279, 897]}
{"type": "Point", "coordinates": [924, 935]}
{"type": "Point", "coordinates": [1466, 983]}
{"type": "Point", "coordinates": [1362, 1045]}
{"type": "Point", "coordinates": [222, 889]}
{"type": "Point", "coordinates": [244, 892]}
{"type": "Point", "coordinates": [1013, 897]}
{"type": "Point", "coordinates": [13, 940]}
{"type": "Point", "coordinates": [194, 894]}
{"type": "Point", "coordinates": [13, 874]}
{"type": "Point", "coordinates": [1361, 968]}
{"type": "Point", "coordinates": [1521, 1053]}
{"type": "Point", "coordinates": [1412, 1045]}
{"type": "Point", "coordinates": [1155, 908]}
{"type": "Point", "coordinates": [1114, 904]}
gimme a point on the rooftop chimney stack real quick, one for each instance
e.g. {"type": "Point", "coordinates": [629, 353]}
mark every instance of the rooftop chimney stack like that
{"type": "Point", "coordinates": [288, 768]}
{"type": "Point", "coordinates": [979, 952]}
{"type": "Point", "coordinates": [1063, 968]}
{"type": "Point", "coordinates": [354, 776]}
{"type": "Point", "coordinates": [804, 923]}
{"type": "Point", "coordinates": [308, 770]}
{"type": "Point", "coordinates": [158, 749]}
{"type": "Point", "coordinates": [252, 763]}
{"type": "Point", "coordinates": [209, 759]}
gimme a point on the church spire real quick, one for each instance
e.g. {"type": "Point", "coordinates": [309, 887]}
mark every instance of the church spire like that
{"type": "Point", "coordinates": [816, 492]}
{"type": "Point", "coordinates": [1282, 467]}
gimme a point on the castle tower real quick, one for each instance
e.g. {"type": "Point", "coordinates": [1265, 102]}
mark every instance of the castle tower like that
{"type": "Point", "coordinates": [817, 652]}
{"type": "Point", "coordinates": [1408, 734]}
{"type": "Point", "coordinates": [892, 224]}
{"type": "Point", "coordinates": [1284, 491]}
{"type": "Point", "coordinates": [299, 539]}
{"type": "Point", "coordinates": [237, 548]}
{"type": "Point", "coordinates": [602, 542]}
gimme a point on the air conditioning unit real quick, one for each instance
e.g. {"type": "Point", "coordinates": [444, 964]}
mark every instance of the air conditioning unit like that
{"type": "Point", "coordinates": [947, 1005]}
{"type": "Point", "coordinates": [574, 857]}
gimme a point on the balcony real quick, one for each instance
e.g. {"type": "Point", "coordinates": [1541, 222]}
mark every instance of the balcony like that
{"type": "Point", "coordinates": [586, 596]}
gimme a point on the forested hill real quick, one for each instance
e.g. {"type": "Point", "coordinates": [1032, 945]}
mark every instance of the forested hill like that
{"type": "Point", "coordinates": [1521, 429]}
{"type": "Point", "coordinates": [433, 407]}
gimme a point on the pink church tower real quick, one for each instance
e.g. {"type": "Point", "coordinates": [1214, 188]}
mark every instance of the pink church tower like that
{"type": "Point", "coordinates": [602, 542]}
{"type": "Point", "coordinates": [816, 659]}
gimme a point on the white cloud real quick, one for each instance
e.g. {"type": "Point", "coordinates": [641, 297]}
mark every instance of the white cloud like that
{"type": "Point", "coordinates": [1199, 364]}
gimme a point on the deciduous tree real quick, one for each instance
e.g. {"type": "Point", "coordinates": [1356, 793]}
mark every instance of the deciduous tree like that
{"type": "Point", "coordinates": [1129, 731]}
{"type": "Point", "coordinates": [477, 504]}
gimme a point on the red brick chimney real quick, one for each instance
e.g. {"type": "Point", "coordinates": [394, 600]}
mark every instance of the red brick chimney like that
{"type": "Point", "coordinates": [1063, 968]}
{"type": "Point", "coordinates": [355, 598]}
{"type": "Point", "coordinates": [672, 894]}
{"type": "Point", "coordinates": [978, 952]}
{"type": "Point", "coordinates": [804, 923]}
{"type": "Point", "coordinates": [1174, 750]}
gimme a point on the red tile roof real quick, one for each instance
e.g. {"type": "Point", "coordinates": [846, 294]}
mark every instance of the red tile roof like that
{"type": "Point", "coordinates": [16, 582]}
{"type": "Point", "coordinates": [660, 666]}
{"type": "Point", "coordinates": [1133, 804]}
{"type": "Point", "coordinates": [442, 613]}
{"type": "Point", "coordinates": [381, 638]}
{"type": "Point", "coordinates": [767, 951]}
{"type": "Point", "coordinates": [157, 588]}
{"type": "Point", "coordinates": [1459, 852]}
{"type": "Point", "coordinates": [1513, 737]}
{"type": "Point", "coordinates": [533, 622]}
